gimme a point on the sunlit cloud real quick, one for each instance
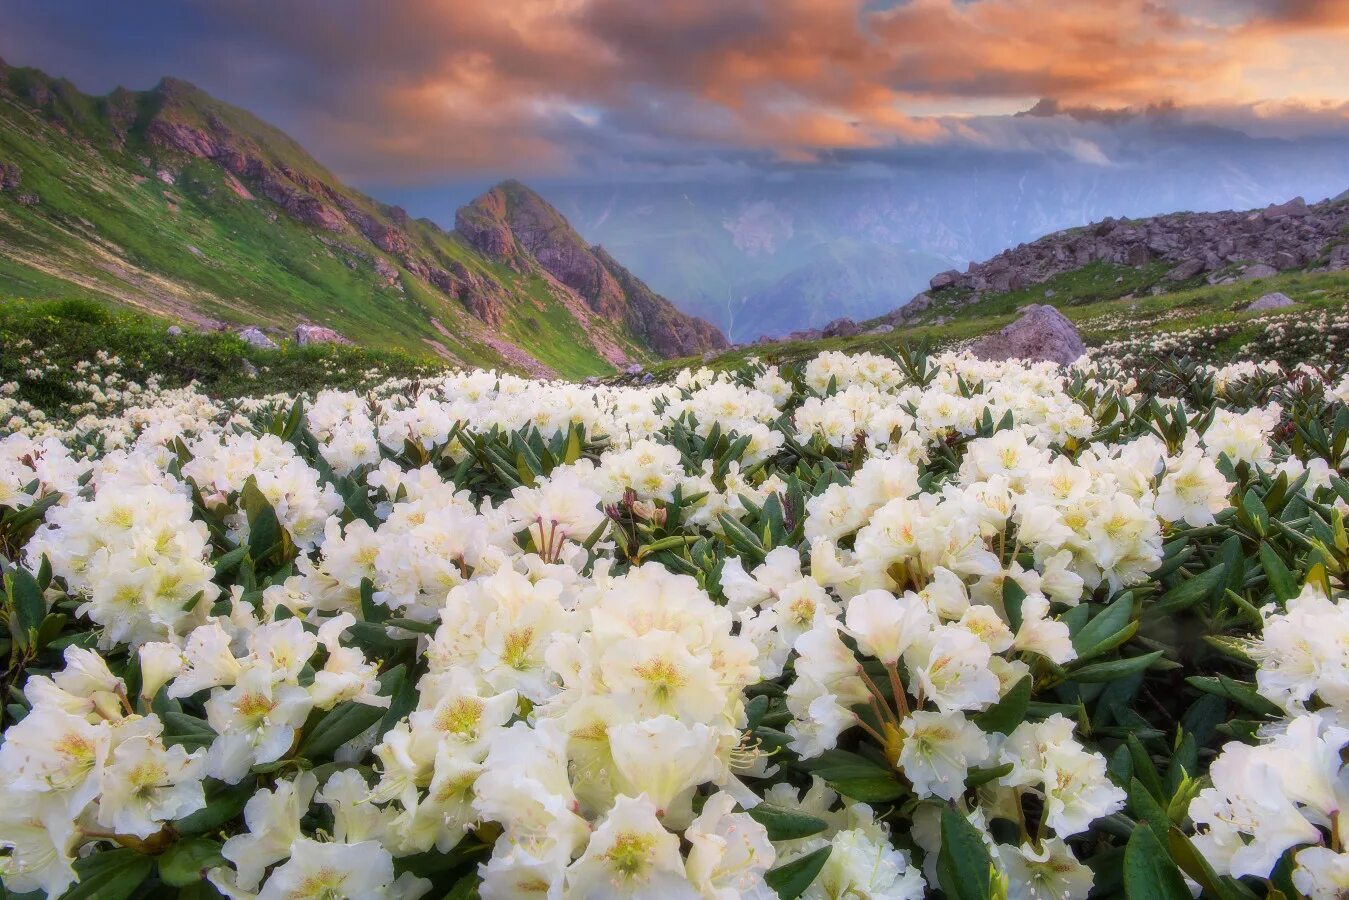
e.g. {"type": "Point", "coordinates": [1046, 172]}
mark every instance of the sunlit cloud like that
{"type": "Point", "coordinates": [427, 89]}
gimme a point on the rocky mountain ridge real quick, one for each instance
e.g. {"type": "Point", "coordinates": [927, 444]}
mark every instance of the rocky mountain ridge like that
{"type": "Point", "coordinates": [1162, 253]}
{"type": "Point", "coordinates": [1223, 247]}
{"type": "Point", "coordinates": [187, 164]}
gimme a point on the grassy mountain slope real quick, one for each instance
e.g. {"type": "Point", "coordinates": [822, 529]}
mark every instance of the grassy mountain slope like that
{"type": "Point", "coordinates": [178, 204]}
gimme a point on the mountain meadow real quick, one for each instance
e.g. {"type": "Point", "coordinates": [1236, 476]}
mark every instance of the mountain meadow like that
{"type": "Point", "coordinates": [349, 555]}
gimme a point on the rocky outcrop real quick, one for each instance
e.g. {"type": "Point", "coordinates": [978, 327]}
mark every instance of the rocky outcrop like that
{"type": "Point", "coordinates": [512, 224]}
{"type": "Point", "coordinates": [1275, 300]}
{"type": "Point", "coordinates": [386, 270]}
{"type": "Point", "coordinates": [483, 224]}
{"type": "Point", "coordinates": [482, 297]}
{"type": "Point", "coordinates": [255, 337]}
{"type": "Point", "coordinates": [11, 176]}
{"type": "Point", "coordinates": [1041, 334]}
{"type": "Point", "coordinates": [1283, 236]}
{"type": "Point", "coordinates": [841, 328]}
{"type": "Point", "coordinates": [317, 334]}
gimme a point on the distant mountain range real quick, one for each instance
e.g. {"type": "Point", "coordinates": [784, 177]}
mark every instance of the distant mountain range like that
{"type": "Point", "coordinates": [172, 201]}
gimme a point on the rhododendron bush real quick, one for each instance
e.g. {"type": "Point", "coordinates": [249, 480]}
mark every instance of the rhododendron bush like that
{"type": "Point", "coordinates": [870, 627]}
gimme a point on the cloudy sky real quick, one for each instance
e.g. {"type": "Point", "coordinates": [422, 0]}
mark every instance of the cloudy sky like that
{"type": "Point", "coordinates": [426, 91]}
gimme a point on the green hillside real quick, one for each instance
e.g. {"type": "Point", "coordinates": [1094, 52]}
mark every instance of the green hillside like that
{"type": "Point", "coordinates": [175, 203]}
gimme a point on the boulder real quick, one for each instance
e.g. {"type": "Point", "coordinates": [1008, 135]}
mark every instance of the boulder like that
{"type": "Point", "coordinates": [1259, 270]}
{"type": "Point", "coordinates": [175, 331]}
{"type": "Point", "coordinates": [1137, 256]}
{"type": "Point", "coordinates": [841, 328]}
{"type": "Point", "coordinates": [317, 334]}
{"type": "Point", "coordinates": [1274, 300]}
{"type": "Point", "coordinates": [253, 336]}
{"type": "Point", "coordinates": [1295, 207]}
{"type": "Point", "coordinates": [634, 369]}
{"type": "Point", "coordinates": [1186, 270]}
{"type": "Point", "coordinates": [883, 328]}
{"type": "Point", "coordinates": [10, 176]}
{"type": "Point", "coordinates": [944, 279]}
{"type": "Point", "coordinates": [1042, 333]}
{"type": "Point", "coordinates": [1284, 260]}
{"type": "Point", "coordinates": [919, 303]}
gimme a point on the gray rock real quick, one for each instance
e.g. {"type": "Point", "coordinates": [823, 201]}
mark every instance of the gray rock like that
{"type": "Point", "coordinates": [1042, 333]}
{"type": "Point", "coordinates": [1186, 270]}
{"type": "Point", "coordinates": [1275, 300]}
{"type": "Point", "coordinates": [1259, 270]}
{"type": "Point", "coordinates": [1295, 207]}
{"type": "Point", "coordinates": [317, 334]}
{"type": "Point", "coordinates": [250, 370]}
{"type": "Point", "coordinates": [253, 336]}
{"type": "Point", "coordinates": [881, 329]}
{"type": "Point", "coordinates": [1137, 256]}
{"type": "Point", "coordinates": [174, 331]}
{"type": "Point", "coordinates": [634, 369]}
{"type": "Point", "coordinates": [944, 279]}
{"type": "Point", "coordinates": [1285, 260]}
{"type": "Point", "coordinates": [841, 328]}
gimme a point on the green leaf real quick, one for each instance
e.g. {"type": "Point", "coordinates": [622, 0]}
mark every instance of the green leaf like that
{"type": "Point", "coordinates": [1149, 873]}
{"type": "Point", "coordinates": [1108, 621]}
{"type": "Point", "coordinates": [1238, 692]}
{"type": "Point", "coordinates": [791, 880]}
{"type": "Point", "coordinates": [342, 723]}
{"type": "Point", "coordinates": [1192, 863]}
{"type": "Point", "coordinates": [26, 599]}
{"type": "Point", "coordinates": [1114, 669]}
{"type": "Point", "coordinates": [370, 610]}
{"type": "Point", "coordinates": [877, 789]}
{"type": "Point", "coordinates": [1013, 595]}
{"type": "Point", "coordinates": [978, 776]}
{"type": "Point", "coordinates": [1198, 588]}
{"type": "Point", "coordinates": [109, 875]}
{"type": "Point", "coordinates": [223, 803]}
{"type": "Point", "coordinates": [785, 824]}
{"type": "Point", "coordinates": [1147, 810]}
{"type": "Point", "coordinates": [187, 731]}
{"type": "Point", "coordinates": [1281, 581]}
{"type": "Point", "coordinates": [1008, 712]}
{"type": "Point", "coordinates": [230, 561]}
{"type": "Point", "coordinates": [964, 868]}
{"type": "Point", "coordinates": [187, 861]}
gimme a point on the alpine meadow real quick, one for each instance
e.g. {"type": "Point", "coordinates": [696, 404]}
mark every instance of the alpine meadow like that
{"type": "Point", "coordinates": [827, 450]}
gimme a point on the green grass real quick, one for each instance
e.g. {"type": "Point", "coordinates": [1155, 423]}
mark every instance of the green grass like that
{"type": "Point", "coordinates": [72, 331]}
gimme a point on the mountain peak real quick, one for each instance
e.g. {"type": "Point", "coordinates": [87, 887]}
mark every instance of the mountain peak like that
{"type": "Point", "coordinates": [512, 223]}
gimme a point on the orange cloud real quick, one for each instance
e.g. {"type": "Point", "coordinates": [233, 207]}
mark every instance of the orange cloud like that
{"type": "Point", "coordinates": [543, 85]}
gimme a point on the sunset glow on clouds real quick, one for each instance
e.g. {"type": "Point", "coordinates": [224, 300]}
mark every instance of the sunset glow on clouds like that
{"type": "Point", "coordinates": [413, 90]}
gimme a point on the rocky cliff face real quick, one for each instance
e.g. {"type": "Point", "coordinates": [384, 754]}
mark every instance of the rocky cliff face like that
{"type": "Point", "coordinates": [513, 225]}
